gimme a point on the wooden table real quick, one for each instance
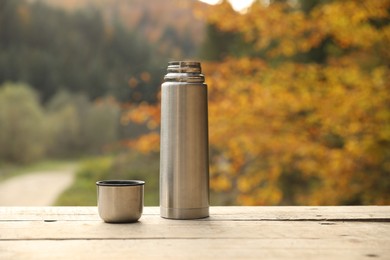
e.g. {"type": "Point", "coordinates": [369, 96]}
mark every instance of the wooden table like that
{"type": "Point", "coordinates": [354, 232]}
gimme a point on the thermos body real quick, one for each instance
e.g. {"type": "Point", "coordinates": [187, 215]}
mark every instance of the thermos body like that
{"type": "Point", "coordinates": [184, 151]}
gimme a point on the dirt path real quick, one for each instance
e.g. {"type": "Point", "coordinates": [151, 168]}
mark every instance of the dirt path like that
{"type": "Point", "coordinates": [36, 188]}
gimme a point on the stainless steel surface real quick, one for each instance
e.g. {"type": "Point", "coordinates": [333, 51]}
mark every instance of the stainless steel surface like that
{"type": "Point", "coordinates": [184, 155]}
{"type": "Point", "coordinates": [120, 201]}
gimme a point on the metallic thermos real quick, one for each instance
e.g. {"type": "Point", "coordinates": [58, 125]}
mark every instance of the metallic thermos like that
{"type": "Point", "coordinates": [184, 151]}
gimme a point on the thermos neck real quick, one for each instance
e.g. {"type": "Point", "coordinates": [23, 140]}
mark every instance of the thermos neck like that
{"type": "Point", "coordinates": [184, 71]}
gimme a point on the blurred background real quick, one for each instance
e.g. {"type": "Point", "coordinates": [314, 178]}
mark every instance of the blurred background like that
{"type": "Point", "coordinates": [299, 97]}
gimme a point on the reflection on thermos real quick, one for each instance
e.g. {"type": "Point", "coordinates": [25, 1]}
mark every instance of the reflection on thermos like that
{"type": "Point", "coordinates": [184, 151]}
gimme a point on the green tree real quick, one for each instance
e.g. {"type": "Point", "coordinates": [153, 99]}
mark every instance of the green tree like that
{"type": "Point", "coordinates": [22, 129]}
{"type": "Point", "coordinates": [101, 125]}
{"type": "Point", "coordinates": [52, 49]}
{"type": "Point", "coordinates": [65, 125]}
{"type": "Point", "coordinates": [79, 126]}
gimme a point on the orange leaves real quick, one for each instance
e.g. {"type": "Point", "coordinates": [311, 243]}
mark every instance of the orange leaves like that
{"type": "Point", "coordinates": [309, 119]}
{"type": "Point", "coordinates": [148, 115]}
{"type": "Point", "coordinates": [264, 25]}
{"type": "Point", "coordinates": [146, 144]}
{"type": "Point", "coordinates": [323, 128]}
{"type": "Point", "coordinates": [347, 21]}
{"type": "Point", "coordinates": [323, 125]}
{"type": "Point", "coordinates": [143, 114]}
{"type": "Point", "coordinates": [284, 30]}
{"type": "Point", "coordinates": [145, 76]}
{"type": "Point", "coordinates": [299, 133]}
{"type": "Point", "coordinates": [265, 196]}
{"type": "Point", "coordinates": [221, 183]}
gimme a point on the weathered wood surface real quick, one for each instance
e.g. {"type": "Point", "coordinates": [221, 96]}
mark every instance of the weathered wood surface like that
{"type": "Point", "coordinates": [353, 213]}
{"type": "Point", "coordinates": [231, 232]}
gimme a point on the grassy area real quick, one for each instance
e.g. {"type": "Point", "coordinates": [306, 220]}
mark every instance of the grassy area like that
{"type": "Point", "coordinates": [130, 165]}
{"type": "Point", "coordinates": [8, 170]}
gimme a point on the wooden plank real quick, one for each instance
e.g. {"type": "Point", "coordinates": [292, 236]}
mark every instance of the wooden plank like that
{"type": "Point", "coordinates": [230, 233]}
{"type": "Point", "coordinates": [303, 213]}
{"type": "Point", "coordinates": [57, 213]}
{"type": "Point", "coordinates": [194, 249]}
{"type": "Point", "coordinates": [48, 213]}
{"type": "Point", "coordinates": [156, 227]}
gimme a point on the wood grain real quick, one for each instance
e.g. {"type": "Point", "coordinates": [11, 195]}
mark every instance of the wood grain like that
{"type": "Point", "coordinates": [344, 213]}
{"type": "Point", "coordinates": [229, 233]}
{"type": "Point", "coordinates": [192, 249]}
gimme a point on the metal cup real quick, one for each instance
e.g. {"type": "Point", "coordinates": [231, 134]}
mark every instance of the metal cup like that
{"type": "Point", "coordinates": [120, 201]}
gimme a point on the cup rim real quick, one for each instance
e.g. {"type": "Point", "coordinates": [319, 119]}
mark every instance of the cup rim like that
{"type": "Point", "coordinates": [120, 183]}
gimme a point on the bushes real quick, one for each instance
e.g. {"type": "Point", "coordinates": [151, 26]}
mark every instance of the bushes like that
{"type": "Point", "coordinates": [22, 128]}
{"type": "Point", "coordinates": [79, 127]}
{"type": "Point", "coordinates": [70, 125]}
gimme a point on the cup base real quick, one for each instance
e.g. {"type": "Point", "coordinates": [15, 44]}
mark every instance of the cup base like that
{"type": "Point", "coordinates": [120, 221]}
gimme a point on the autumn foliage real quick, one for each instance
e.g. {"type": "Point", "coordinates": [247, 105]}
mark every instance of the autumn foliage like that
{"type": "Point", "coordinates": [290, 129]}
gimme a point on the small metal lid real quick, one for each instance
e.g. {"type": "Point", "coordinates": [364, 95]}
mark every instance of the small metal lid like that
{"type": "Point", "coordinates": [120, 183]}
